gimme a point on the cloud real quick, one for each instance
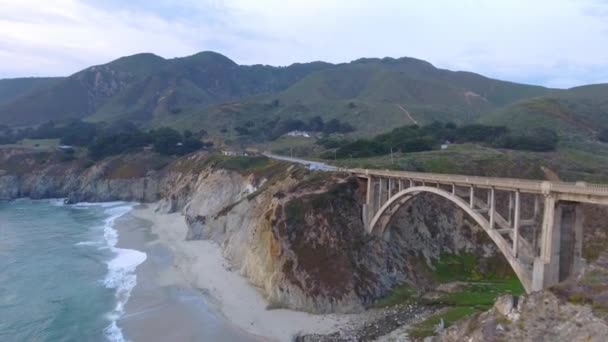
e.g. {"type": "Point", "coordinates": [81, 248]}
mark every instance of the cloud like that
{"type": "Point", "coordinates": [553, 42]}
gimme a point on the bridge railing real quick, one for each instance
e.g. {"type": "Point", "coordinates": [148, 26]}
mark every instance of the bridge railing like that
{"type": "Point", "coordinates": [526, 185]}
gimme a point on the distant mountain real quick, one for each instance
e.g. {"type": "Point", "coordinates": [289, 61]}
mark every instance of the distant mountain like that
{"type": "Point", "coordinates": [209, 91]}
{"type": "Point", "coordinates": [81, 94]}
{"type": "Point", "coordinates": [14, 88]}
{"type": "Point", "coordinates": [197, 82]}
{"type": "Point", "coordinates": [580, 112]}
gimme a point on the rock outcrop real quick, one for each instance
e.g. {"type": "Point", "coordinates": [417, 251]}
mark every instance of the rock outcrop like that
{"type": "Point", "coordinates": [43, 174]}
{"type": "Point", "coordinates": [541, 316]}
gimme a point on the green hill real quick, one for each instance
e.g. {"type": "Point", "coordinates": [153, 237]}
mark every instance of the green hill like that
{"type": "Point", "coordinates": [209, 91]}
{"type": "Point", "coordinates": [575, 113]}
{"type": "Point", "coordinates": [374, 95]}
{"type": "Point", "coordinates": [197, 82]}
{"type": "Point", "coordinates": [79, 95]}
{"type": "Point", "coordinates": [14, 88]}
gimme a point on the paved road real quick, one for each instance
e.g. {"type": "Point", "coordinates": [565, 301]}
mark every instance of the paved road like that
{"type": "Point", "coordinates": [310, 164]}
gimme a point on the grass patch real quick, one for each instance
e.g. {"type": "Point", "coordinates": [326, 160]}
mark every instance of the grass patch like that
{"type": "Point", "coordinates": [468, 267]}
{"type": "Point", "coordinates": [482, 294]}
{"type": "Point", "coordinates": [477, 293]}
{"type": "Point", "coordinates": [402, 294]}
{"type": "Point", "coordinates": [242, 165]}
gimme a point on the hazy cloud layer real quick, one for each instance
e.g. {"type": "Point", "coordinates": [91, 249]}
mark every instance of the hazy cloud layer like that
{"type": "Point", "coordinates": [557, 43]}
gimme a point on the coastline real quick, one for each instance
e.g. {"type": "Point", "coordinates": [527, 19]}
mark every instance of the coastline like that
{"type": "Point", "coordinates": [162, 306]}
{"type": "Point", "coordinates": [200, 266]}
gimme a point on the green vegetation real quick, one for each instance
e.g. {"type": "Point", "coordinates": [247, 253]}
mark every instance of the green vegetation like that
{"type": "Point", "coordinates": [208, 90]}
{"type": "Point", "coordinates": [580, 162]}
{"type": "Point", "coordinates": [273, 129]}
{"type": "Point", "coordinates": [402, 294]}
{"type": "Point", "coordinates": [408, 139]}
{"type": "Point", "coordinates": [14, 88]}
{"type": "Point", "coordinates": [243, 165]}
{"type": "Point", "coordinates": [480, 282]}
{"type": "Point", "coordinates": [576, 113]}
{"type": "Point", "coordinates": [106, 140]}
{"type": "Point", "coordinates": [535, 139]}
{"type": "Point", "coordinates": [468, 267]}
{"type": "Point", "coordinates": [166, 141]}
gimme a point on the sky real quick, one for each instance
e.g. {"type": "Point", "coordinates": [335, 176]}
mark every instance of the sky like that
{"type": "Point", "coordinates": [555, 43]}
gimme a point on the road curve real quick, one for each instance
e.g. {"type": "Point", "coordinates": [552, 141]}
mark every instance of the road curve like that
{"type": "Point", "coordinates": [312, 165]}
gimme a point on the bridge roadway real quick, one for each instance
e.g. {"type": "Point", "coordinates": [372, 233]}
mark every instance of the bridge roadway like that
{"type": "Point", "coordinates": [543, 248]}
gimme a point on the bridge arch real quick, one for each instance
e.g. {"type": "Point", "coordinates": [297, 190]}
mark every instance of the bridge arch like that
{"type": "Point", "coordinates": [384, 215]}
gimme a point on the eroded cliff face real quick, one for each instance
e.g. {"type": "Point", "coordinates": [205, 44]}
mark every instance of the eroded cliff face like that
{"type": "Point", "coordinates": [42, 174]}
{"type": "Point", "coordinates": [296, 234]}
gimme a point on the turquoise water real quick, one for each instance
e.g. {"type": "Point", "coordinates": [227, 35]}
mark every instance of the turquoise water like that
{"type": "Point", "coordinates": [61, 278]}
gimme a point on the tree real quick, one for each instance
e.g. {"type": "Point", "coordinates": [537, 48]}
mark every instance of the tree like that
{"type": "Point", "coordinates": [417, 144]}
{"type": "Point", "coordinates": [332, 126]}
{"type": "Point", "coordinates": [242, 130]}
{"type": "Point", "coordinates": [537, 139]}
{"type": "Point", "coordinates": [479, 133]}
{"type": "Point", "coordinates": [315, 124]}
{"type": "Point", "coordinates": [165, 140]}
{"type": "Point", "coordinates": [113, 144]}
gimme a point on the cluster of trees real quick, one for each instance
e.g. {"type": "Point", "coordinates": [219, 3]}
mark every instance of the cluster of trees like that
{"type": "Point", "coordinates": [271, 130]}
{"type": "Point", "coordinates": [415, 139]}
{"type": "Point", "coordinates": [103, 140]}
{"type": "Point", "coordinates": [164, 140]}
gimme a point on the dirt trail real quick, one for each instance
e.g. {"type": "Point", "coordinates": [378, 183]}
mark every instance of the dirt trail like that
{"type": "Point", "coordinates": [409, 116]}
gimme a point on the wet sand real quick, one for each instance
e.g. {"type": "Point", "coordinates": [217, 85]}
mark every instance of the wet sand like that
{"type": "Point", "coordinates": [188, 285]}
{"type": "Point", "coordinates": [163, 306]}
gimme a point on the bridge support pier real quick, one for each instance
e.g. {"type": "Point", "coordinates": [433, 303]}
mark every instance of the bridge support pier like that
{"type": "Point", "coordinates": [561, 243]}
{"type": "Point", "coordinates": [370, 199]}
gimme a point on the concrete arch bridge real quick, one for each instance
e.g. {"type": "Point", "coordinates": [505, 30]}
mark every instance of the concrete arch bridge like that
{"type": "Point", "coordinates": [537, 225]}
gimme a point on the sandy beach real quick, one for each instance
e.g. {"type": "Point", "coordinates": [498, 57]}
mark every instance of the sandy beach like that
{"type": "Point", "coordinates": [163, 306]}
{"type": "Point", "coordinates": [196, 270]}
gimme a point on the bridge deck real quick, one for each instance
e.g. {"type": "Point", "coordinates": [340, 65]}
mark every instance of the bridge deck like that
{"type": "Point", "coordinates": [579, 191]}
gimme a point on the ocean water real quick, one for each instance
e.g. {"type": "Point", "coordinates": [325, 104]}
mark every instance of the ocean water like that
{"type": "Point", "coordinates": [61, 276]}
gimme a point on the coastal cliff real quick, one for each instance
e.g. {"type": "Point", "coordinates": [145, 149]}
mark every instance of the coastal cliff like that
{"type": "Point", "coordinates": [297, 235]}
{"type": "Point", "coordinates": [294, 233]}
{"type": "Point", "coordinates": [43, 174]}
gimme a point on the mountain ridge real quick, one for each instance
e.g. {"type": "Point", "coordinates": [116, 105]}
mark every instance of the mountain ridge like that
{"type": "Point", "coordinates": [210, 91]}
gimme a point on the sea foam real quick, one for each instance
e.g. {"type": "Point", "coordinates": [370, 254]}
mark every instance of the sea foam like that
{"type": "Point", "coordinates": [121, 269]}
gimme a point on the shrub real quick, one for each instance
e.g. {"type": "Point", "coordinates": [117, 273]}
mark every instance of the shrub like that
{"type": "Point", "coordinates": [538, 139]}
{"type": "Point", "coordinates": [416, 139]}
{"type": "Point", "coordinates": [479, 133]}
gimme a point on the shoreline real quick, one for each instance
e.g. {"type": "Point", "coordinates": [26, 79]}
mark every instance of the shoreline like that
{"type": "Point", "coordinates": [201, 266]}
{"type": "Point", "coordinates": [162, 306]}
{"type": "Point", "coordinates": [121, 274]}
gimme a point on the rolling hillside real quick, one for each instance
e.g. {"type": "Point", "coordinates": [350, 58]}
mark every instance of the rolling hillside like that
{"type": "Point", "coordinates": [374, 95]}
{"type": "Point", "coordinates": [574, 113]}
{"type": "Point", "coordinates": [209, 91]}
{"type": "Point", "coordinates": [79, 95]}
{"type": "Point", "coordinates": [14, 88]}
